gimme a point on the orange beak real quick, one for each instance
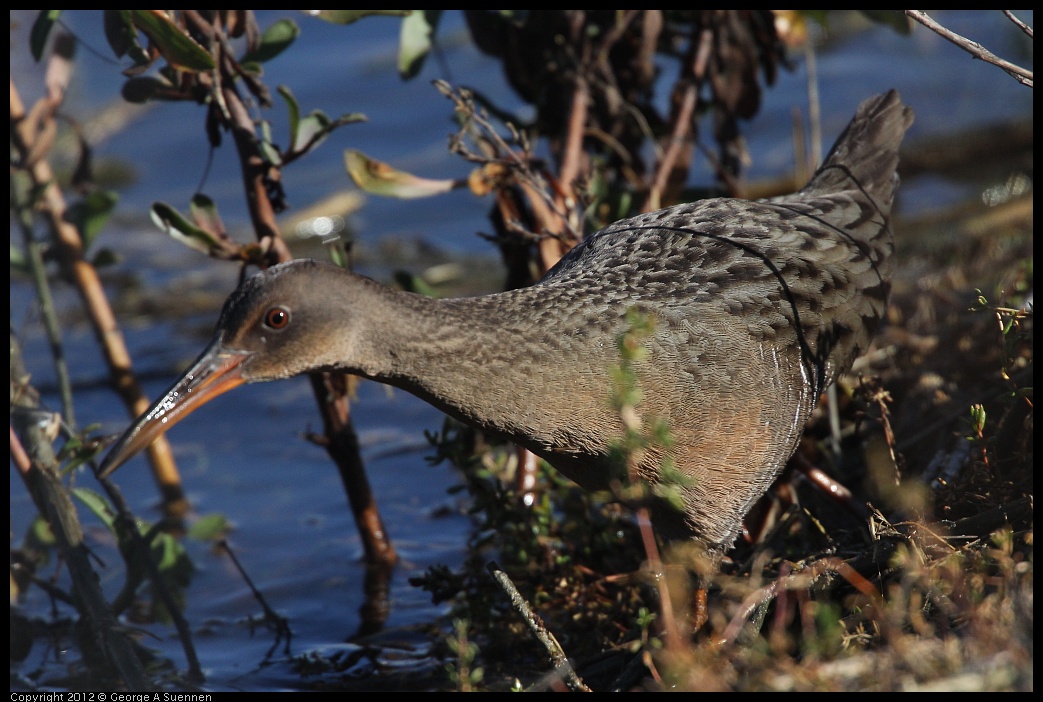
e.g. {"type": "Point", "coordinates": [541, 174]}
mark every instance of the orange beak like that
{"type": "Point", "coordinates": [215, 372]}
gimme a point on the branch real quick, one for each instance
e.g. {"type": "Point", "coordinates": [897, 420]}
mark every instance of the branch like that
{"type": "Point", "coordinates": [539, 630]}
{"type": "Point", "coordinates": [1022, 75]}
{"type": "Point", "coordinates": [27, 132]}
{"type": "Point", "coordinates": [1021, 25]}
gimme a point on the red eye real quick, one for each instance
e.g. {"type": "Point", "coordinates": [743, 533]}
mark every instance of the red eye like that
{"type": "Point", "coordinates": [277, 318]}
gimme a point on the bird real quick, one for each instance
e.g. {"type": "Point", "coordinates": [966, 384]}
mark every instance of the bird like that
{"type": "Point", "coordinates": [756, 306]}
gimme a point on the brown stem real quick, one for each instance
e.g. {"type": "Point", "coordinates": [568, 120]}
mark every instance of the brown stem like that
{"type": "Point", "coordinates": [678, 142]}
{"type": "Point", "coordinates": [69, 250]}
{"type": "Point", "coordinates": [330, 393]}
{"type": "Point", "coordinates": [343, 447]}
{"type": "Point", "coordinates": [33, 456]}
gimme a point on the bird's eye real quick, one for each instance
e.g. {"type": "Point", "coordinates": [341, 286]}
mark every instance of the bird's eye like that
{"type": "Point", "coordinates": [277, 318]}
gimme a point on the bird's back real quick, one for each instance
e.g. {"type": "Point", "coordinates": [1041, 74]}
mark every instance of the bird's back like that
{"type": "Point", "coordinates": [758, 305]}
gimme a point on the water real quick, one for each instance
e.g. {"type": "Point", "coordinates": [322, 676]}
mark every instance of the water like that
{"type": "Point", "coordinates": [243, 454]}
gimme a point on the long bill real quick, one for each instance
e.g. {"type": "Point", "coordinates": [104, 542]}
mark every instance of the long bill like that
{"type": "Point", "coordinates": [215, 372]}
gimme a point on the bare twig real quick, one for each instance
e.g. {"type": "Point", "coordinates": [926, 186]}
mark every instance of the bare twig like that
{"type": "Point", "coordinates": [281, 624]}
{"type": "Point", "coordinates": [332, 394]}
{"type": "Point", "coordinates": [26, 129]}
{"type": "Point", "coordinates": [797, 581]}
{"type": "Point", "coordinates": [682, 123]}
{"type": "Point", "coordinates": [678, 141]}
{"type": "Point", "coordinates": [1022, 75]}
{"type": "Point", "coordinates": [161, 591]}
{"type": "Point", "coordinates": [1021, 25]}
{"type": "Point", "coordinates": [258, 177]}
{"type": "Point", "coordinates": [655, 563]}
{"type": "Point", "coordinates": [539, 630]}
{"type": "Point", "coordinates": [550, 202]}
{"type": "Point", "coordinates": [33, 456]}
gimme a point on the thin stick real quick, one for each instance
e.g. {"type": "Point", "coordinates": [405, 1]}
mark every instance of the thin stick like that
{"type": "Point", "coordinates": [539, 630]}
{"type": "Point", "coordinates": [1022, 75]}
{"type": "Point", "coordinates": [282, 625]}
{"type": "Point", "coordinates": [1021, 25]}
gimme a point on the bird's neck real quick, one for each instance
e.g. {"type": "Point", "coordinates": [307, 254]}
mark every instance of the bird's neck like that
{"type": "Point", "coordinates": [486, 360]}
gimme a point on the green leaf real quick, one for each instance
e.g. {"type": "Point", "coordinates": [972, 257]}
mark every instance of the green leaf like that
{"type": "Point", "coordinates": [40, 534]}
{"type": "Point", "coordinates": [268, 147]}
{"type": "Point", "coordinates": [96, 503]}
{"type": "Point", "coordinates": [179, 49]}
{"type": "Point", "coordinates": [266, 130]}
{"type": "Point", "coordinates": [18, 260]}
{"type": "Point", "coordinates": [820, 16]}
{"type": "Point", "coordinates": [347, 118]}
{"type": "Point", "coordinates": [415, 40]}
{"type": "Point", "coordinates": [140, 89]}
{"type": "Point", "coordinates": [338, 255]}
{"type": "Point", "coordinates": [76, 451]}
{"type": "Point", "coordinates": [91, 214]}
{"type": "Point", "coordinates": [173, 223]}
{"type": "Point", "coordinates": [293, 111]}
{"type": "Point", "coordinates": [978, 418]}
{"type": "Point", "coordinates": [271, 153]}
{"type": "Point", "coordinates": [349, 16]}
{"type": "Point", "coordinates": [104, 257]}
{"type": "Point", "coordinates": [379, 178]}
{"type": "Point", "coordinates": [413, 283]}
{"type": "Point", "coordinates": [168, 554]}
{"type": "Point", "coordinates": [119, 31]}
{"type": "Point", "coordinates": [209, 528]}
{"type": "Point", "coordinates": [895, 19]}
{"type": "Point", "coordinates": [122, 37]}
{"type": "Point", "coordinates": [274, 41]}
{"type": "Point", "coordinates": [205, 215]}
{"type": "Point", "coordinates": [316, 125]}
{"type": "Point", "coordinates": [312, 130]}
{"type": "Point", "coordinates": [41, 30]}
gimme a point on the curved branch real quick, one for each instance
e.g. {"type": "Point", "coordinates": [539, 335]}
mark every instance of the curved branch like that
{"type": "Point", "coordinates": [1020, 25]}
{"type": "Point", "coordinates": [1022, 75]}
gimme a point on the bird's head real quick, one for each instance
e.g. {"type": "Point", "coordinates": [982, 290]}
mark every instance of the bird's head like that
{"type": "Point", "coordinates": [277, 324]}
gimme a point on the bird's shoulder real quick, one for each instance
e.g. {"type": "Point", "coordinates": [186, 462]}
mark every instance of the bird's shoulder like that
{"type": "Point", "coordinates": [692, 245]}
